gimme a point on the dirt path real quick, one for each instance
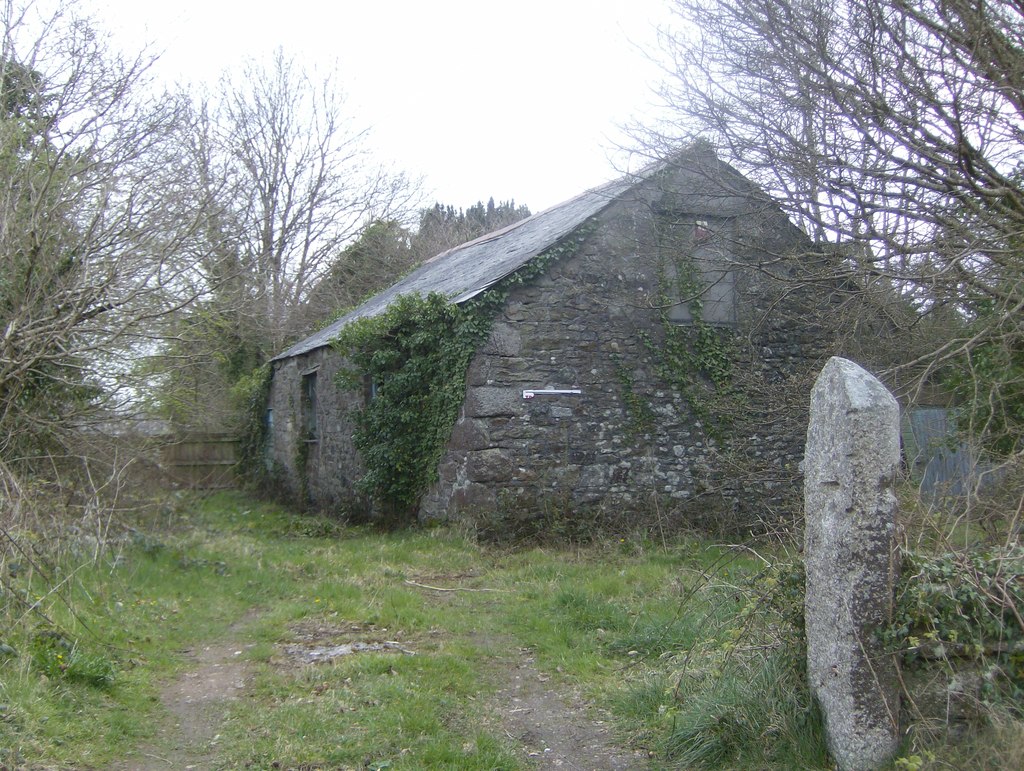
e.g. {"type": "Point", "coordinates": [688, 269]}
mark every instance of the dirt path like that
{"type": "Point", "coordinates": [549, 726]}
{"type": "Point", "coordinates": [552, 728]}
{"type": "Point", "coordinates": [196, 704]}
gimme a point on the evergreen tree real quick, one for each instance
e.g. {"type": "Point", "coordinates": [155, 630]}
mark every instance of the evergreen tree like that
{"type": "Point", "coordinates": [443, 227]}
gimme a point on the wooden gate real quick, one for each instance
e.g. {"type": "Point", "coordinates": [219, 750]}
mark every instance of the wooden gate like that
{"type": "Point", "coordinates": [202, 462]}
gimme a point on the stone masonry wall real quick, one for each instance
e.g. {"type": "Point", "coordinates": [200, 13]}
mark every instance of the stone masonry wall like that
{"type": "Point", "coordinates": [582, 326]}
{"type": "Point", "coordinates": [331, 467]}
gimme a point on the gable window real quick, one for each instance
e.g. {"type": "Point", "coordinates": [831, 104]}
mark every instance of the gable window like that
{"type": "Point", "coordinates": [309, 411]}
{"type": "Point", "coordinates": [699, 267]}
{"type": "Point", "coordinates": [716, 293]}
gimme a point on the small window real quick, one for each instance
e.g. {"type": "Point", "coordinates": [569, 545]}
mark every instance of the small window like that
{"type": "Point", "coordinates": [309, 411]}
{"type": "Point", "coordinates": [704, 246]}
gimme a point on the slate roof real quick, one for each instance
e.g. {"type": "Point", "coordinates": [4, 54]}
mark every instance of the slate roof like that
{"type": "Point", "coordinates": [467, 270]}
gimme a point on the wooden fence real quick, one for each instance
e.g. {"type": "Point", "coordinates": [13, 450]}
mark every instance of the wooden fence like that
{"type": "Point", "coordinates": [204, 462]}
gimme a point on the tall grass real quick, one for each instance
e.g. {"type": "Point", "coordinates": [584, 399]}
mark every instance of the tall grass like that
{"type": "Point", "coordinates": [755, 714]}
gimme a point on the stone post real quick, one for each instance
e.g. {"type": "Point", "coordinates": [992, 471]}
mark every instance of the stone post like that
{"type": "Point", "coordinates": [852, 454]}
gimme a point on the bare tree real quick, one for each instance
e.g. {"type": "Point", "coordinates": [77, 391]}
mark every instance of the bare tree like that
{"type": "Point", "coordinates": [296, 180]}
{"type": "Point", "coordinates": [92, 217]}
{"type": "Point", "coordinates": [894, 128]}
{"type": "Point", "coordinates": [287, 181]}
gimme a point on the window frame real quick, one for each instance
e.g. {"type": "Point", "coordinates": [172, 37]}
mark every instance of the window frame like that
{"type": "Point", "coordinates": [704, 240]}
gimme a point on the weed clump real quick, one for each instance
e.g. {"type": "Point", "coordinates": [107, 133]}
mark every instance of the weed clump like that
{"type": "Point", "coordinates": [963, 605]}
{"type": "Point", "coordinates": [741, 694]}
{"type": "Point", "coordinates": [60, 659]}
{"type": "Point", "coordinates": [758, 711]}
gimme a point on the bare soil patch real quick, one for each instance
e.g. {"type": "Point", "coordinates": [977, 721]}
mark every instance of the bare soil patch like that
{"type": "Point", "coordinates": [196, 703]}
{"type": "Point", "coordinates": [552, 726]}
{"type": "Point", "coordinates": [317, 641]}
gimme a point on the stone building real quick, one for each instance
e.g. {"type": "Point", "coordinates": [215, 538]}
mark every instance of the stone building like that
{"type": "Point", "coordinates": [649, 365]}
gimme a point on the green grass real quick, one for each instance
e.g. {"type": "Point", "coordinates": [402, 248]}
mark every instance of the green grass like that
{"type": "Point", "coordinates": [642, 631]}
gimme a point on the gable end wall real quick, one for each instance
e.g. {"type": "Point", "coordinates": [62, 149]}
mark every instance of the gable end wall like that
{"type": "Point", "coordinates": [581, 326]}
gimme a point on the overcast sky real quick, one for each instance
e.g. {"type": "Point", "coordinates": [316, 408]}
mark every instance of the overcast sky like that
{"type": "Point", "coordinates": [516, 99]}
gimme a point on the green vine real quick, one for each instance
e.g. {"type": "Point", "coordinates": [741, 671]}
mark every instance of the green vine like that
{"type": "Point", "coordinates": [963, 605]}
{"type": "Point", "coordinates": [641, 416]}
{"type": "Point", "coordinates": [416, 355]}
{"type": "Point", "coordinates": [252, 394]}
{"type": "Point", "coordinates": [694, 354]}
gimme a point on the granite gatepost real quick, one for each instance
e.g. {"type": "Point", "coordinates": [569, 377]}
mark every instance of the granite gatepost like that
{"type": "Point", "coordinates": [850, 464]}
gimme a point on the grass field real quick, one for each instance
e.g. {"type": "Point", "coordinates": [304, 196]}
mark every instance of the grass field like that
{"type": "Point", "coordinates": [686, 649]}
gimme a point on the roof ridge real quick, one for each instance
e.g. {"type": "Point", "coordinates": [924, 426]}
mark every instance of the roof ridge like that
{"type": "Point", "coordinates": [464, 271]}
